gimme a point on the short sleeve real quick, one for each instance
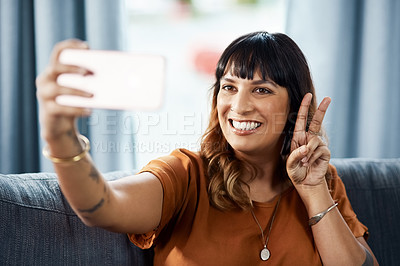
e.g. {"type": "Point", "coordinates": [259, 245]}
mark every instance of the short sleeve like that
{"type": "Point", "coordinates": [339, 195]}
{"type": "Point", "coordinates": [173, 173]}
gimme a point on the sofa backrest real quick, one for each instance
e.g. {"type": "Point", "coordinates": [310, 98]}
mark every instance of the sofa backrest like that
{"type": "Point", "coordinates": [373, 187]}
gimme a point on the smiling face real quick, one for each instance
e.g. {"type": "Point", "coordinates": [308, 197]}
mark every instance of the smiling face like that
{"type": "Point", "coordinates": [252, 114]}
{"type": "Point", "coordinates": [270, 76]}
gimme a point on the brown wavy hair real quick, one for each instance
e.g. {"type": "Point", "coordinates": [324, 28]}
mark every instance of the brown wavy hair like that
{"type": "Point", "coordinates": [278, 58]}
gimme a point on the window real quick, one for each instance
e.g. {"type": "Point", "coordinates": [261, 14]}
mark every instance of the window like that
{"type": "Point", "coordinates": [190, 34]}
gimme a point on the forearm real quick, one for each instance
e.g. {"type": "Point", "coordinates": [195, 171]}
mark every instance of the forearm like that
{"type": "Point", "coordinates": [131, 204]}
{"type": "Point", "coordinates": [334, 240]}
{"type": "Point", "coordinates": [83, 186]}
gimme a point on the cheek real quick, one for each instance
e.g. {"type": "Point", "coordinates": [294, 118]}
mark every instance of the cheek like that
{"type": "Point", "coordinates": [222, 105]}
{"type": "Point", "coordinates": [277, 117]}
{"type": "Point", "coordinates": [219, 111]}
{"type": "Point", "coordinates": [279, 123]}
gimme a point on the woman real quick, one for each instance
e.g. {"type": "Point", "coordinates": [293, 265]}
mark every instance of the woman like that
{"type": "Point", "coordinates": [260, 190]}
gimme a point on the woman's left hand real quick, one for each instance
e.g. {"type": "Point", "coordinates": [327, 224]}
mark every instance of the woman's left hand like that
{"type": "Point", "coordinates": [309, 156]}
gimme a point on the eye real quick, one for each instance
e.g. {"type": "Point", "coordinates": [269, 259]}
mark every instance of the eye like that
{"type": "Point", "coordinates": [263, 91]}
{"type": "Point", "coordinates": [228, 88]}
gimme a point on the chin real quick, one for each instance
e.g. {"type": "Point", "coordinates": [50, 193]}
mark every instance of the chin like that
{"type": "Point", "coordinates": [255, 148]}
{"type": "Point", "coordinates": [247, 149]}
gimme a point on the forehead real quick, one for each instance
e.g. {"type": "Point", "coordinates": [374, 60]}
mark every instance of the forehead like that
{"type": "Point", "coordinates": [247, 68]}
{"type": "Point", "coordinates": [232, 75]}
{"type": "Point", "coordinates": [240, 71]}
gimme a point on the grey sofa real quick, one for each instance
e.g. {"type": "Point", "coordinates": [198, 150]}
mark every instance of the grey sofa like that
{"type": "Point", "coordinates": [37, 226]}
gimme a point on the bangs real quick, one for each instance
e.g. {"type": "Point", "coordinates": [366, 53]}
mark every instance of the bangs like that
{"type": "Point", "coordinates": [257, 54]}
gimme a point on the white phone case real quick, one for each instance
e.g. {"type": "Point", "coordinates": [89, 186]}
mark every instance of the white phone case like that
{"type": "Point", "coordinates": [121, 80]}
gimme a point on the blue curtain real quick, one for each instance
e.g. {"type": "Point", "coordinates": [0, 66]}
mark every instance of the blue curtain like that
{"type": "Point", "coordinates": [18, 116]}
{"type": "Point", "coordinates": [353, 47]}
{"type": "Point", "coordinates": [29, 30]}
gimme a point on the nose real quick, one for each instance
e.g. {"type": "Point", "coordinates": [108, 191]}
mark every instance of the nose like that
{"type": "Point", "coordinates": [241, 103]}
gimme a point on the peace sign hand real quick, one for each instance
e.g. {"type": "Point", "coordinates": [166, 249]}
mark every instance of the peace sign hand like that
{"type": "Point", "coordinates": [309, 156]}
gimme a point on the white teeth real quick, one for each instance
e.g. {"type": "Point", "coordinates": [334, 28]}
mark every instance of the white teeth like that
{"type": "Point", "coordinates": [245, 125]}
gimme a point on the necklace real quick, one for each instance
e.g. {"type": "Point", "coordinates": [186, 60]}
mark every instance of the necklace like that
{"type": "Point", "coordinates": [265, 253]}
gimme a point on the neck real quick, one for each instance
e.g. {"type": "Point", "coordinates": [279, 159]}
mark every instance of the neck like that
{"type": "Point", "coordinates": [268, 182]}
{"type": "Point", "coordinates": [267, 164]}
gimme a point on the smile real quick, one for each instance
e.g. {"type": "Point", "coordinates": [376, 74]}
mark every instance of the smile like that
{"type": "Point", "coordinates": [245, 125]}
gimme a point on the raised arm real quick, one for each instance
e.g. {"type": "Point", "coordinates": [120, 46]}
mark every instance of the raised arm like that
{"type": "Point", "coordinates": [131, 204]}
{"type": "Point", "coordinates": [307, 166]}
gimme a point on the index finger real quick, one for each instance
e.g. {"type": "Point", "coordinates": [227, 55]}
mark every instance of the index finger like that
{"type": "Point", "coordinates": [59, 47]}
{"type": "Point", "coordinates": [316, 122]}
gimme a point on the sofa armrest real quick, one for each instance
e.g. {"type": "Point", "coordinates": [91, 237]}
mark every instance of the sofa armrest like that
{"type": "Point", "coordinates": [373, 187]}
{"type": "Point", "coordinates": [38, 227]}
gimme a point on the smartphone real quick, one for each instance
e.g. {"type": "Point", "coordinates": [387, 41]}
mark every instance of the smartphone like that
{"type": "Point", "coordinates": [120, 80]}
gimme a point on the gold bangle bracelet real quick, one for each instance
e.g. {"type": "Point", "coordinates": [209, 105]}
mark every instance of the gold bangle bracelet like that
{"type": "Point", "coordinates": [73, 159]}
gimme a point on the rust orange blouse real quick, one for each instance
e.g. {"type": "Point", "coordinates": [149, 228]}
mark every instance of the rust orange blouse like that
{"type": "Point", "coordinates": [192, 232]}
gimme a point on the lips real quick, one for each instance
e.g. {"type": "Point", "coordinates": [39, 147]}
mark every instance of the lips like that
{"type": "Point", "coordinates": [244, 125]}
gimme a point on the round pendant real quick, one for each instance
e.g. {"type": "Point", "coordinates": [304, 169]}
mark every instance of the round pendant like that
{"type": "Point", "coordinates": [265, 254]}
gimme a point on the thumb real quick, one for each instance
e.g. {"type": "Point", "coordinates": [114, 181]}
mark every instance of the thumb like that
{"type": "Point", "coordinates": [296, 156]}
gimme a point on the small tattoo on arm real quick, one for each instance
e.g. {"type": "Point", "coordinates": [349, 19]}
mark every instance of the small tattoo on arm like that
{"type": "Point", "coordinates": [107, 192]}
{"type": "Point", "coordinates": [94, 208]}
{"type": "Point", "coordinates": [71, 134]}
{"type": "Point", "coordinates": [94, 174]}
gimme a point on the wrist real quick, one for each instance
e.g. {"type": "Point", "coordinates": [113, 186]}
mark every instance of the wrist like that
{"type": "Point", "coordinates": [315, 198]}
{"type": "Point", "coordinates": [70, 159]}
{"type": "Point", "coordinates": [65, 145]}
{"type": "Point", "coordinates": [55, 129]}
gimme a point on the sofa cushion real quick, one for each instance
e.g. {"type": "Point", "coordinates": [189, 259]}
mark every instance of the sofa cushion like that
{"type": "Point", "coordinates": [373, 187]}
{"type": "Point", "coordinates": [38, 227]}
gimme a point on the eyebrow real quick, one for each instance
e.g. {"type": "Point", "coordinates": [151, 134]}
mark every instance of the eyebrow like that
{"type": "Point", "coordinates": [254, 82]}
